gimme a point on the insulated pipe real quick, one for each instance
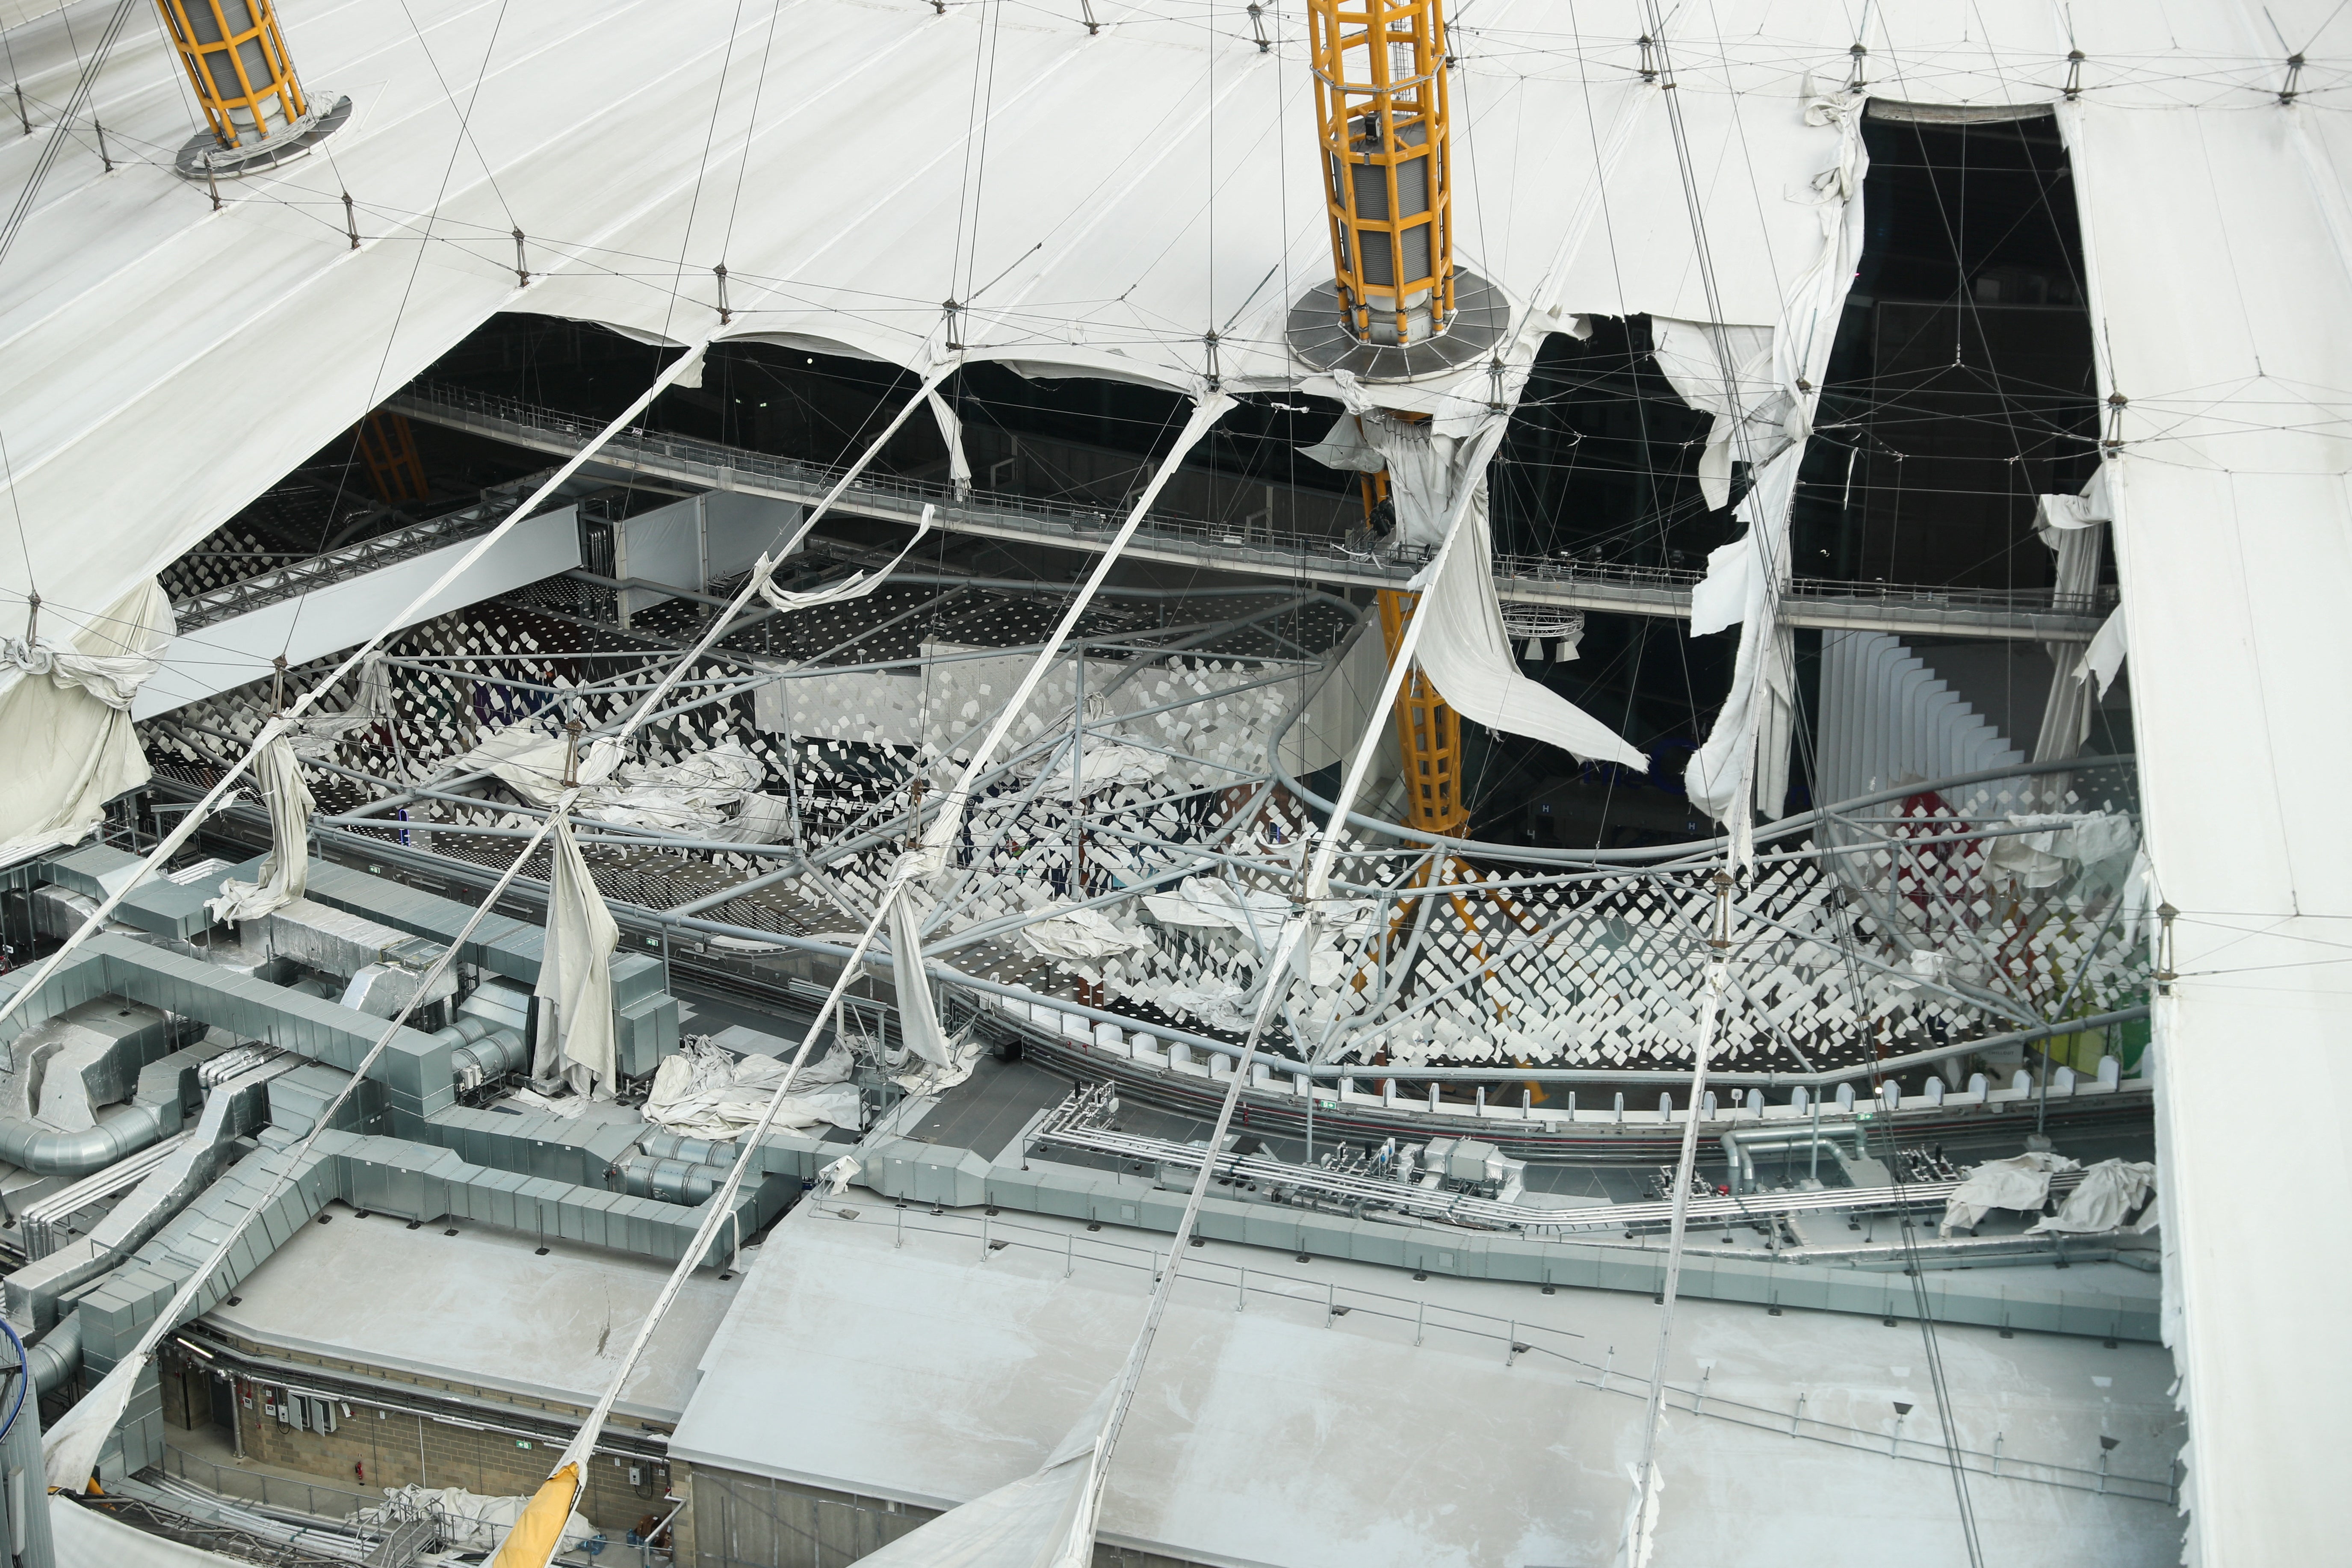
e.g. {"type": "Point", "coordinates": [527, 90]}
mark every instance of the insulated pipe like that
{"type": "Point", "coordinates": [49, 1152]}
{"type": "Point", "coordinates": [669, 1181]}
{"type": "Point", "coordinates": [694, 1151]}
{"type": "Point", "coordinates": [1741, 1144]}
{"type": "Point", "coordinates": [492, 1051]}
{"type": "Point", "coordinates": [55, 1355]}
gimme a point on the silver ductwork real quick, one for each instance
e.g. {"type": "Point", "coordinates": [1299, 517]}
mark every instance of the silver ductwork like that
{"type": "Point", "coordinates": [721, 1153]}
{"type": "Point", "coordinates": [232, 1110]}
{"type": "Point", "coordinates": [481, 1051]}
{"type": "Point", "coordinates": [55, 1355]}
{"type": "Point", "coordinates": [669, 1181]}
{"type": "Point", "coordinates": [1842, 1142]}
{"type": "Point", "coordinates": [49, 1152]}
{"type": "Point", "coordinates": [62, 1068]}
{"type": "Point", "coordinates": [336, 942]}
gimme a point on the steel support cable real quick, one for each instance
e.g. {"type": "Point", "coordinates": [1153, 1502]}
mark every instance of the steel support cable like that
{"type": "Point", "coordinates": [1932, 1346]}
{"type": "Point", "coordinates": [1739, 841]}
{"type": "Point", "coordinates": [83, 87]}
{"type": "Point", "coordinates": [277, 724]}
{"type": "Point", "coordinates": [415, 264]}
{"type": "Point", "coordinates": [75, 1444]}
{"type": "Point", "coordinates": [1273, 981]}
{"type": "Point", "coordinates": [910, 867]}
{"type": "Point", "coordinates": [70, 1448]}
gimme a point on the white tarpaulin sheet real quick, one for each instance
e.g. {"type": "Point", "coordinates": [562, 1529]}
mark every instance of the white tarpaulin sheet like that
{"type": "Point", "coordinates": [1211, 904]}
{"type": "Point", "coordinates": [2216, 231]}
{"type": "Point", "coordinates": [65, 720]}
{"type": "Point", "coordinates": [87, 1538]}
{"type": "Point", "coordinates": [713, 794]}
{"type": "Point", "coordinates": [858, 584]}
{"type": "Point", "coordinates": [704, 1092]}
{"type": "Point", "coordinates": [576, 977]}
{"type": "Point", "coordinates": [2050, 844]}
{"type": "Point", "coordinates": [1726, 372]}
{"type": "Point", "coordinates": [1740, 764]}
{"type": "Point", "coordinates": [919, 1019]}
{"type": "Point", "coordinates": [2108, 1193]}
{"type": "Point", "coordinates": [2075, 527]}
{"type": "Point", "coordinates": [1743, 767]}
{"type": "Point", "coordinates": [2020, 1183]}
{"type": "Point", "coordinates": [1081, 939]}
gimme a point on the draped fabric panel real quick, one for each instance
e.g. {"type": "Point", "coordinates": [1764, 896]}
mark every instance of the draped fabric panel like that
{"type": "Point", "coordinates": [65, 721]}
{"type": "Point", "coordinates": [286, 874]}
{"type": "Point", "coordinates": [576, 1043]}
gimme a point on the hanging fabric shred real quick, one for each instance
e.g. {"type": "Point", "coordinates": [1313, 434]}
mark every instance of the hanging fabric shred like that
{"type": "Point", "coordinates": [919, 1020]}
{"type": "Point", "coordinates": [286, 874]}
{"type": "Point", "coordinates": [857, 586]}
{"type": "Point", "coordinates": [1713, 368]}
{"type": "Point", "coordinates": [1466, 654]}
{"type": "Point", "coordinates": [576, 977]}
{"type": "Point", "coordinates": [2105, 658]}
{"type": "Point", "coordinates": [1743, 767]}
{"type": "Point", "coordinates": [2076, 530]}
{"type": "Point", "coordinates": [952, 432]}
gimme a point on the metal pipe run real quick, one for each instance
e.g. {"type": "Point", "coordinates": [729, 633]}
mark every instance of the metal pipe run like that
{"type": "Point", "coordinates": [49, 1152]}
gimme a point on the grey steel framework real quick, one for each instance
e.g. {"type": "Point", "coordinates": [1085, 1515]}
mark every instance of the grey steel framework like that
{"type": "Point", "coordinates": [1519, 579]}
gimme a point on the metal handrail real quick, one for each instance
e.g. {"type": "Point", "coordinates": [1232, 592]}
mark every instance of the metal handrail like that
{"type": "Point", "coordinates": [1005, 510]}
{"type": "Point", "coordinates": [341, 1506]}
{"type": "Point", "coordinates": [1567, 1351]}
{"type": "Point", "coordinates": [350, 560]}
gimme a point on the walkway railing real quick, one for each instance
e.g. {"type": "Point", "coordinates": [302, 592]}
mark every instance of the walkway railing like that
{"type": "Point", "coordinates": [1246, 546]}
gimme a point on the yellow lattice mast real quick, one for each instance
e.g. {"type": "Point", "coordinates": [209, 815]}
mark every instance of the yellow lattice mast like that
{"type": "Point", "coordinates": [1381, 113]}
{"type": "Point", "coordinates": [1429, 734]}
{"type": "Point", "coordinates": [237, 61]}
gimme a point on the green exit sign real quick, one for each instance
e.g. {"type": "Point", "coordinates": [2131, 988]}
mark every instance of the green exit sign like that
{"type": "Point", "coordinates": [522, 1443]}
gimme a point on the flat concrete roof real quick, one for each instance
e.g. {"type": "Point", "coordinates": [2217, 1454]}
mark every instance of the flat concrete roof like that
{"type": "Point", "coordinates": [919, 1365]}
{"type": "Point", "coordinates": [481, 1308]}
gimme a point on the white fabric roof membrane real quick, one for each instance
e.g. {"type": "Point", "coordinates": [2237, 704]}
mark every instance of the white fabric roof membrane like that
{"type": "Point", "coordinates": [1096, 254]}
{"type": "Point", "coordinates": [1134, 190]}
{"type": "Point", "coordinates": [2218, 237]}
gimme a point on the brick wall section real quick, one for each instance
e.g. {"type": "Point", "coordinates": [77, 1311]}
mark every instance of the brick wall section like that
{"type": "Point", "coordinates": [399, 1448]}
{"type": "Point", "coordinates": [751, 1521]}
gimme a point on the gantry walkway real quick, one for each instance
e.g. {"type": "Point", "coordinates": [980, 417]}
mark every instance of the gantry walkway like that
{"type": "Point", "coordinates": [1537, 582]}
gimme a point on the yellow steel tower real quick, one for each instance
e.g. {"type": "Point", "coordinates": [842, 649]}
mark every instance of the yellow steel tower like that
{"type": "Point", "coordinates": [236, 60]}
{"type": "Point", "coordinates": [1380, 112]}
